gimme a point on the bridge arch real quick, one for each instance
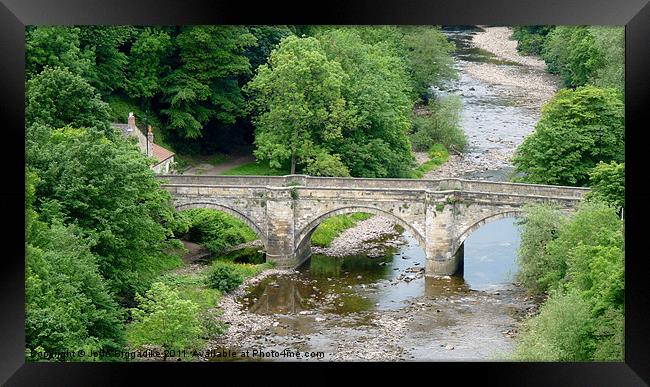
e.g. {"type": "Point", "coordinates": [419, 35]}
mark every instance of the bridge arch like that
{"type": "Point", "coordinates": [307, 231]}
{"type": "Point", "coordinates": [213, 206]}
{"type": "Point", "coordinates": [511, 213]}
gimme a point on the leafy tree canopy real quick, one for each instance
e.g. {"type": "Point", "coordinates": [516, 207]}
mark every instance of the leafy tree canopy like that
{"type": "Point", "coordinates": [577, 130]}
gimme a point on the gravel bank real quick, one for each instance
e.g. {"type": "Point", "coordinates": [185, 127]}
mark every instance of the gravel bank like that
{"type": "Point", "coordinates": [369, 237]}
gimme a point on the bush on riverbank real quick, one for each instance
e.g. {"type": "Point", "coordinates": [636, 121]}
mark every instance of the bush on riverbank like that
{"type": "Point", "coordinates": [440, 125]}
{"type": "Point", "coordinates": [580, 55]}
{"type": "Point", "coordinates": [583, 317]}
{"type": "Point", "coordinates": [530, 39]}
{"type": "Point", "coordinates": [213, 229]}
{"type": "Point", "coordinates": [162, 318]}
{"type": "Point", "coordinates": [330, 228]}
{"type": "Point", "coordinates": [224, 278]}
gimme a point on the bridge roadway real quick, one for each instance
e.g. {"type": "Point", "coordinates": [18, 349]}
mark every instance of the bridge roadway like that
{"type": "Point", "coordinates": [284, 211]}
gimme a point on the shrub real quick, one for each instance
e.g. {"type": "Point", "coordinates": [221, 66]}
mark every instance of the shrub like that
{"type": "Point", "coordinates": [224, 278]}
{"type": "Point", "coordinates": [440, 127]}
{"type": "Point", "coordinates": [539, 271]}
{"type": "Point", "coordinates": [162, 318]}
{"type": "Point", "coordinates": [530, 39]}
{"type": "Point", "coordinates": [216, 230]}
{"type": "Point", "coordinates": [607, 182]}
{"type": "Point", "coordinates": [560, 332]}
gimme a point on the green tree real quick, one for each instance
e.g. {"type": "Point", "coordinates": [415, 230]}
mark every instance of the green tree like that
{"type": "Point", "coordinates": [428, 56]}
{"type": "Point", "coordinates": [560, 332]}
{"type": "Point", "coordinates": [607, 183]}
{"type": "Point", "coordinates": [583, 318]}
{"type": "Point", "coordinates": [55, 46]}
{"type": "Point", "coordinates": [610, 41]}
{"type": "Point", "coordinates": [68, 306]}
{"type": "Point", "coordinates": [577, 130]}
{"type": "Point", "coordinates": [584, 55]}
{"type": "Point", "coordinates": [531, 39]}
{"type": "Point", "coordinates": [106, 188]}
{"type": "Point", "coordinates": [147, 63]}
{"type": "Point", "coordinates": [57, 97]}
{"type": "Point", "coordinates": [106, 43]}
{"type": "Point", "coordinates": [378, 92]}
{"type": "Point", "coordinates": [538, 270]}
{"type": "Point", "coordinates": [204, 85]}
{"type": "Point", "coordinates": [440, 126]}
{"type": "Point", "coordinates": [298, 104]}
{"type": "Point", "coordinates": [268, 38]}
{"type": "Point", "coordinates": [163, 318]}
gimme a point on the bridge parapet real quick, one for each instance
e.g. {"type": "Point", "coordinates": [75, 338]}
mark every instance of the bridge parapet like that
{"type": "Point", "coordinates": [370, 183]}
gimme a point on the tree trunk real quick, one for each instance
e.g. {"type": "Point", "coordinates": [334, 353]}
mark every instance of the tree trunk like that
{"type": "Point", "coordinates": [293, 163]}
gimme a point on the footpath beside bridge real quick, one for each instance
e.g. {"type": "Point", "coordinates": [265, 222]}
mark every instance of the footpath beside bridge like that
{"type": "Point", "coordinates": [284, 211]}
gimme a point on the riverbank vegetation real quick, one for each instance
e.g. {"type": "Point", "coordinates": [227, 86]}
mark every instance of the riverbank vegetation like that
{"type": "Point", "coordinates": [576, 263]}
{"type": "Point", "coordinates": [583, 125]}
{"type": "Point", "coordinates": [332, 227]}
{"type": "Point", "coordinates": [215, 230]}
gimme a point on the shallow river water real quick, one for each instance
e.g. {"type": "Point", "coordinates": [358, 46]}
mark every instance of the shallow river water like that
{"type": "Point", "coordinates": [361, 308]}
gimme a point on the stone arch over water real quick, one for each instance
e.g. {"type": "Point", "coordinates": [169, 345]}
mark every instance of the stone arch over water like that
{"type": "Point", "coordinates": [230, 211]}
{"type": "Point", "coordinates": [513, 213]}
{"type": "Point", "coordinates": [307, 231]}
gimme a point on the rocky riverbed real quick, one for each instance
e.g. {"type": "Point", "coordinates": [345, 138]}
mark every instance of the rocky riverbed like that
{"type": "Point", "coordinates": [360, 314]}
{"type": "Point", "coordinates": [370, 237]}
{"type": "Point", "coordinates": [502, 93]}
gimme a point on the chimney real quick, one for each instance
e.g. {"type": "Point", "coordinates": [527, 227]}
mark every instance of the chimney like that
{"type": "Point", "coordinates": [131, 122]}
{"type": "Point", "coordinates": [150, 142]}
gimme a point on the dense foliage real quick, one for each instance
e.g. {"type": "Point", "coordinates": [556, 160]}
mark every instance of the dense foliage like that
{"type": "Point", "coordinates": [577, 130]}
{"type": "Point", "coordinates": [68, 305]}
{"type": "Point", "coordinates": [351, 118]}
{"type": "Point", "coordinates": [106, 189]}
{"type": "Point", "coordinates": [440, 126]}
{"type": "Point", "coordinates": [57, 97]}
{"type": "Point", "coordinates": [164, 319]}
{"type": "Point", "coordinates": [224, 278]}
{"type": "Point", "coordinates": [607, 183]}
{"type": "Point", "coordinates": [581, 266]}
{"type": "Point", "coordinates": [215, 230]}
{"type": "Point", "coordinates": [581, 55]}
{"type": "Point", "coordinates": [530, 39]}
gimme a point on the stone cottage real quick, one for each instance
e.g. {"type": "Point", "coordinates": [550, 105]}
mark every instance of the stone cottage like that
{"type": "Point", "coordinates": [163, 156]}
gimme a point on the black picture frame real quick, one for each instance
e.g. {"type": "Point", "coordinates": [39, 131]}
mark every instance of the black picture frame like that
{"type": "Point", "coordinates": [16, 14]}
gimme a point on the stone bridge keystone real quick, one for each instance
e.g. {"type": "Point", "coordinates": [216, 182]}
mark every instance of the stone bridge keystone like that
{"type": "Point", "coordinates": [284, 211]}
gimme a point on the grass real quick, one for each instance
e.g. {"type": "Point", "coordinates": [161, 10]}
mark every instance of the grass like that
{"type": "Point", "coordinates": [438, 155]}
{"type": "Point", "coordinates": [332, 227]}
{"type": "Point", "coordinates": [246, 270]}
{"type": "Point", "coordinates": [255, 169]}
{"type": "Point", "coordinates": [192, 287]}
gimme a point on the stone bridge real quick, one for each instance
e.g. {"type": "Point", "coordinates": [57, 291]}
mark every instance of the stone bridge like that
{"type": "Point", "coordinates": [285, 210]}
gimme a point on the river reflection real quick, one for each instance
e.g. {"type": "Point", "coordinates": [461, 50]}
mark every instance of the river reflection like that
{"type": "Point", "coordinates": [360, 283]}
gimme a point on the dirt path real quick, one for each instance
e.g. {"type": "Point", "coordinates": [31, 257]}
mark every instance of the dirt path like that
{"type": "Point", "coordinates": [209, 169]}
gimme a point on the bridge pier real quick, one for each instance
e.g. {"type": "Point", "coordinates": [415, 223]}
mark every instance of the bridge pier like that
{"type": "Point", "coordinates": [280, 225]}
{"type": "Point", "coordinates": [443, 257]}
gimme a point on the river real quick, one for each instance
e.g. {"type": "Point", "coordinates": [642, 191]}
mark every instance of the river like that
{"type": "Point", "coordinates": [362, 308]}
